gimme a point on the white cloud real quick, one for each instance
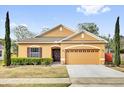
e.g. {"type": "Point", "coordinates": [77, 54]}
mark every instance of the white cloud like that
{"type": "Point", "coordinates": [105, 9]}
{"type": "Point", "coordinates": [92, 9]}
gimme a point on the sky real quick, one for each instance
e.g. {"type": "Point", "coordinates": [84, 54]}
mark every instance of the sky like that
{"type": "Point", "coordinates": [37, 17]}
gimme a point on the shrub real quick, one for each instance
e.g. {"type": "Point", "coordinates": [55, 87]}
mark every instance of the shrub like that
{"type": "Point", "coordinates": [31, 61]}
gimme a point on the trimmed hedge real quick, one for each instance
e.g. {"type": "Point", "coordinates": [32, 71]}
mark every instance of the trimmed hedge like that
{"type": "Point", "coordinates": [31, 61]}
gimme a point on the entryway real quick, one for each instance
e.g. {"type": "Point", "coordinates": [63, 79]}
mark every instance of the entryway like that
{"type": "Point", "coordinates": [56, 55]}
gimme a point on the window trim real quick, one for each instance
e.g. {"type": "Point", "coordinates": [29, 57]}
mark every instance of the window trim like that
{"type": "Point", "coordinates": [29, 52]}
{"type": "Point", "coordinates": [1, 53]}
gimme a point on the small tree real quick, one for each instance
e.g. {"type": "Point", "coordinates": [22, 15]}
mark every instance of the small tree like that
{"type": "Point", "coordinates": [7, 50]}
{"type": "Point", "coordinates": [14, 47]}
{"type": "Point", "coordinates": [117, 59]}
{"type": "Point", "coordinates": [21, 32]}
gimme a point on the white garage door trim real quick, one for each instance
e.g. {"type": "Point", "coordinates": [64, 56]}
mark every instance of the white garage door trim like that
{"type": "Point", "coordinates": [82, 45]}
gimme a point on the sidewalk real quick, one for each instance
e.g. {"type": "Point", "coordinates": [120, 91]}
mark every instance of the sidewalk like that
{"type": "Point", "coordinates": [97, 80]}
{"type": "Point", "coordinates": [33, 80]}
{"type": "Point", "coordinates": [97, 85]}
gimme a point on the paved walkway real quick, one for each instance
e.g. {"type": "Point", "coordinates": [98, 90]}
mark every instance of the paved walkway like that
{"type": "Point", "coordinates": [33, 80]}
{"type": "Point", "coordinates": [76, 71]}
{"type": "Point", "coordinates": [97, 85]}
{"type": "Point", "coordinates": [99, 80]}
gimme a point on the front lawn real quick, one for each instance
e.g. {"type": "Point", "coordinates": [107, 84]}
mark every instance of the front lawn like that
{"type": "Point", "coordinates": [122, 62]}
{"type": "Point", "coordinates": [121, 68]}
{"type": "Point", "coordinates": [118, 68]}
{"type": "Point", "coordinates": [34, 72]}
{"type": "Point", "coordinates": [0, 62]}
{"type": "Point", "coordinates": [36, 85]}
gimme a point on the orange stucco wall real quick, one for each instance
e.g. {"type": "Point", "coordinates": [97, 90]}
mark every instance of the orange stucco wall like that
{"type": "Point", "coordinates": [46, 50]}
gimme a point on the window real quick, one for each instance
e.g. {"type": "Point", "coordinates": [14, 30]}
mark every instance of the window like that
{"type": "Point", "coordinates": [34, 52]}
{"type": "Point", "coordinates": [0, 53]}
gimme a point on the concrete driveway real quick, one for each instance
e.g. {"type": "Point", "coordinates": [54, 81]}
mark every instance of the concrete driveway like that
{"type": "Point", "coordinates": [78, 71]}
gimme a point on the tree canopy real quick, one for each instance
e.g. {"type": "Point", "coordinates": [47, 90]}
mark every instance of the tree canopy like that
{"type": "Point", "coordinates": [117, 59]}
{"type": "Point", "coordinates": [90, 27]}
{"type": "Point", "coordinates": [7, 43]}
{"type": "Point", "coordinates": [21, 32]}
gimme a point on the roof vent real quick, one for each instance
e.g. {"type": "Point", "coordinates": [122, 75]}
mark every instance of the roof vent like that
{"type": "Point", "coordinates": [60, 29]}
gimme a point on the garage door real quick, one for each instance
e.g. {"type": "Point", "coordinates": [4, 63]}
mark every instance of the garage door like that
{"type": "Point", "coordinates": [82, 56]}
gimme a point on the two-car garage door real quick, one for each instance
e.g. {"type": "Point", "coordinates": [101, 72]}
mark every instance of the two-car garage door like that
{"type": "Point", "coordinates": [82, 56]}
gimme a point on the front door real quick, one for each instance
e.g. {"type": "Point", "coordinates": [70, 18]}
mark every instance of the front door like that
{"type": "Point", "coordinates": [56, 55]}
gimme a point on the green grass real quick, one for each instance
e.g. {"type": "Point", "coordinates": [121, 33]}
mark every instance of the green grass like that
{"type": "Point", "coordinates": [34, 72]}
{"type": "Point", "coordinates": [0, 63]}
{"type": "Point", "coordinates": [118, 68]}
{"type": "Point", "coordinates": [35, 85]}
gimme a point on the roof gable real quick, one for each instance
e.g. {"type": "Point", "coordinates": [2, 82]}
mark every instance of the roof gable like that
{"type": "Point", "coordinates": [83, 35]}
{"type": "Point", "coordinates": [58, 31]}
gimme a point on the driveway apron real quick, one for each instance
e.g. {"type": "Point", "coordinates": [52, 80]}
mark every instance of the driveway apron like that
{"type": "Point", "coordinates": [77, 71]}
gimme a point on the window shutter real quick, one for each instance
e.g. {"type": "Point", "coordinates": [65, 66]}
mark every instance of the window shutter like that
{"type": "Point", "coordinates": [28, 52]}
{"type": "Point", "coordinates": [41, 52]}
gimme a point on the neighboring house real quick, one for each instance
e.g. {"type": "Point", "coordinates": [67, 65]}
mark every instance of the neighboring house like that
{"type": "Point", "coordinates": [122, 42]}
{"type": "Point", "coordinates": [1, 52]}
{"type": "Point", "coordinates": [65, 45]}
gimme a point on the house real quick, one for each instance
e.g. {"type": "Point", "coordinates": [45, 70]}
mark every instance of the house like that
{"type": "Point", "coordinates": [1, 52]}
{"type": "Point", "coordinates": [65, 45]}
{"type": "Point", "coordinates": [122, 42]}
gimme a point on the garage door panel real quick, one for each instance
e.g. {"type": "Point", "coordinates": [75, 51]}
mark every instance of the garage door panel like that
{"type": "Point", "coordinates": [82, 56]}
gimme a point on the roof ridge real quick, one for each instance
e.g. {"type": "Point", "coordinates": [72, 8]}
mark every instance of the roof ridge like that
{"type": "Point", "coordinates": [42, 33]}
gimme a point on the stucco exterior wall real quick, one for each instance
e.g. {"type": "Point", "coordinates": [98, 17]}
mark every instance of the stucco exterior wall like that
{"type": "Point", "coordinates": [46, 50]}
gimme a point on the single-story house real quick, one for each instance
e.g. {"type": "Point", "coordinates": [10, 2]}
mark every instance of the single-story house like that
{"type": "Point", "coordinates": [1, 52]}
{"type": "Point", "coordinates": [65, 45]}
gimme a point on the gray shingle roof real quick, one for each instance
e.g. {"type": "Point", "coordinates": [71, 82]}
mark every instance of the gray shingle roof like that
{"type": "Point", "coordinates": [42, 39]}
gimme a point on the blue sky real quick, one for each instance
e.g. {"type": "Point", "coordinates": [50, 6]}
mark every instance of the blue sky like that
{"type": "Point", "coordinates": [37, 17]}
